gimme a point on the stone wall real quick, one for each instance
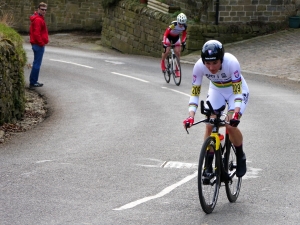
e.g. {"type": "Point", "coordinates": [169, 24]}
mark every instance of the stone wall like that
{"type": "Point", "coordinates": [12, 92]}
{"type": "Point", "coordinates": [136, 29]}
{"type": "Point", "coordinates": [237, 11]}
{"type": "Point", "coordinates": [62, 15]}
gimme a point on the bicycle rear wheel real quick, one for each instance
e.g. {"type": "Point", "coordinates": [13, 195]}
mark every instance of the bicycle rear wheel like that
{"type": "Point", "coordinates": [176, 71]}
{"type": "Point", "coordinates": [233, 186]}
{"type": "Point", "coordinates": [166, 73]}
{"type": "Point", "coordinates": [208, 176]}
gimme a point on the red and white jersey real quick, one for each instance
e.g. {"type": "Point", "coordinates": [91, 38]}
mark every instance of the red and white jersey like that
{"type": "Point", "coordinates": [175, 30]}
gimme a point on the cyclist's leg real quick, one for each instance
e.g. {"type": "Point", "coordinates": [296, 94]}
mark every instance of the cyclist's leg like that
{"type": "Point", "coordinates": [217, 100]}
{"type": "Point", "coordinates": [164, 55]}
{"type": "Point", "coordinates": [177, 48]}
{"type": "Point", "coordinates": [235, 134]}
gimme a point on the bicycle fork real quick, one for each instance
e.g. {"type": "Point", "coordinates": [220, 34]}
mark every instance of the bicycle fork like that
{"type": "Point", "coordinates": [212, 152]}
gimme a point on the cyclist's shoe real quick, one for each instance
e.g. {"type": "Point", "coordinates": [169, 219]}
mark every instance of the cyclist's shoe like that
{"type": "Point", "coordinates": [207, 174]}
{"type": "Point", "coordinates": [241, 167]}
{"type": "Point", "coordinates": [177, 73]}
{"type": "Point", "coordinates": [163, 66]}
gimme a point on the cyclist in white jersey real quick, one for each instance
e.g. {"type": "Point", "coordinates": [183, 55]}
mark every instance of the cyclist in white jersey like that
{"type": "Point", "coordinates": [226, 85]}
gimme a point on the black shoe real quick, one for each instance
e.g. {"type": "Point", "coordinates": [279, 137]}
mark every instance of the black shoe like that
{"type": "Point", "coordinates": [241, 167]}
{"type": "Point", "coordinates": [207, 175]}
{"type": "Point", "coordinates": [37, 84]}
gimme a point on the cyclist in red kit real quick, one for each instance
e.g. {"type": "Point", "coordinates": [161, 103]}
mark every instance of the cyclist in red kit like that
{"type": "Point", "coordinates": [172, 36]}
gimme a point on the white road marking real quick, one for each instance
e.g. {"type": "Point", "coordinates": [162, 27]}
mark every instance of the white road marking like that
{"type": "Point", "coordinates": [123, 75]}
{"type": "Point", "coordinates": [76, 64]}
{"type": "Point", "coordinates": [172, 164]}
{"type": "Point", "coordinates": [114, 62]}
{"type": "Point", "coordinates": [179, 165]}
{"type": "Point", "coordinates": [43, 161]}
{"type": "Point", "coordinates": [160, 194]}
{"type": "Point", "coordinates": [252, 173]}
{"type": "Point", "coordinates": [176, 91]}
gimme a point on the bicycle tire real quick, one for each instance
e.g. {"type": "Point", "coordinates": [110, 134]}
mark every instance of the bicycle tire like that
{"type": "Point", "coordinates": [233, 186]}
{"type": "Point", "coordinates": [208, 193]}
{"type": "Point", "coordinates": [166, 73]}
{"type": "Point", "coordinates": [177, 80]}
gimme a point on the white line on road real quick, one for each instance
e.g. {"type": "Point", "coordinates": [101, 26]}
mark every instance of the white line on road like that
{"type": "Point", "coordinates": [114, 62]}
{"type": "Point", "coordinates": [176, 91]}
{"type": "Point", "coordinates": [160, 194]}
{"type": "Point", "coordinates": [123, 75]}
{"type": "Point", "coordinates": [71, 63]}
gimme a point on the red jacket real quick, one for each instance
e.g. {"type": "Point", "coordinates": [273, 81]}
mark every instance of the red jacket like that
{"type": "Point", "coordinates": [38, 30]}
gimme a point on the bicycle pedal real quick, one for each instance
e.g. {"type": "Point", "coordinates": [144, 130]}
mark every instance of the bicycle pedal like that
{"type": "Point", "coordinates": [207, 177]}
{"type": "Point", "coordinates": [205, 181]}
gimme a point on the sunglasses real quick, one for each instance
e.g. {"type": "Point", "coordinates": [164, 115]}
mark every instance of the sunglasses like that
{"type": "Point", "coordinates": [180, 23]}
{"type": "Point", "coordinates": [43, 9]}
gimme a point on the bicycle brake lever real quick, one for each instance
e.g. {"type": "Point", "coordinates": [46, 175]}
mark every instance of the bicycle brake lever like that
{"type": "Point", "coordinates": [186, 127]}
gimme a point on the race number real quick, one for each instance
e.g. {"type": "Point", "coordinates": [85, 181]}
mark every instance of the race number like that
{"type": "Point", "coordinates": [196, 90]}
{"type": "Point", "coordinates": [237, 88]}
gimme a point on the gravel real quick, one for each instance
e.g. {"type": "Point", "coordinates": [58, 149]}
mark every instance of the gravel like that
{"type": "Point", "coordinates": [35, 113]}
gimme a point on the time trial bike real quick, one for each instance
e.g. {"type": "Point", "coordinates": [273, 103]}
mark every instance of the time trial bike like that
{"type": "Point", "coordinates": [217, 162]}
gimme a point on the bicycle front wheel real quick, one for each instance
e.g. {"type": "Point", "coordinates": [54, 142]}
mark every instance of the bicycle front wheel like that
{"type": "Point", "coordinates": [176, 71]}
{"type": "Point", "coordinates": [208, 176]}
{"type": "Point", "coordinates": [166, 73]}
{"type": "Point", "coordinates": [233, 186]}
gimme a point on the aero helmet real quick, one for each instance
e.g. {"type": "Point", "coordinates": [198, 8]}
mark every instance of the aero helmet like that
{"type": "Point", "coordinates": [181, 18]}
{"type": "Point", "coordinates": [212, 50]}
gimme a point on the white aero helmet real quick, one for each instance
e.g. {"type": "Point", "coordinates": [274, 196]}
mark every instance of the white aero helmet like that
{"type": "Point", "coordinates": [181, 18]}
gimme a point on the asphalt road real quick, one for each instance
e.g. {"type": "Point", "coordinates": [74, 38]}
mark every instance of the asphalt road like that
{"type": "Point", "coordinates": [114, 122]}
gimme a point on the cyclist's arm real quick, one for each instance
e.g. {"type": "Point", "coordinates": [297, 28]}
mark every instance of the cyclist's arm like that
{"type": "Point", "coordinates": [196, 88]}
{"type": "Point", "coordinates": [236, 84]}
{"type": "Point", "coordinates": [166, 34]}
{"type": "Point", "coordinates": [183, 37]}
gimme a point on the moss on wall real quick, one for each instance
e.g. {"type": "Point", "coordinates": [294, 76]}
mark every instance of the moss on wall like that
{"type": "Point", "coordinates": [12, 84]}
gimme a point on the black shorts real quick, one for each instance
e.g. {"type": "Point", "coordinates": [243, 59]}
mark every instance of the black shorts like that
{"type": "Point", "coordinates": [173, 39]}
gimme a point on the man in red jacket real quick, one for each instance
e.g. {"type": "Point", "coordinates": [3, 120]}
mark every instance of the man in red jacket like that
{"type": "Point", "coordinates": [38, 39]}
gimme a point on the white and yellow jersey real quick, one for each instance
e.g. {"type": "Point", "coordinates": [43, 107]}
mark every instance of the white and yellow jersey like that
{"type": "Point", "coordinates": [228, 82]}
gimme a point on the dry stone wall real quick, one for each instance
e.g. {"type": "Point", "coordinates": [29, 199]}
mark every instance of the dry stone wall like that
{"type": "Point", "coordinates": [237, 11]}
{"type": "Point", "coordinates": [136, 29]}
{"type": "Point", "coordinates": [12, 92]}
{"type": "Point", "coordinates": [62, 15]}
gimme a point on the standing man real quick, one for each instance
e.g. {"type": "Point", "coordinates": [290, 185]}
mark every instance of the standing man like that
{"type": "Point", "coordinates": [38, 39]}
